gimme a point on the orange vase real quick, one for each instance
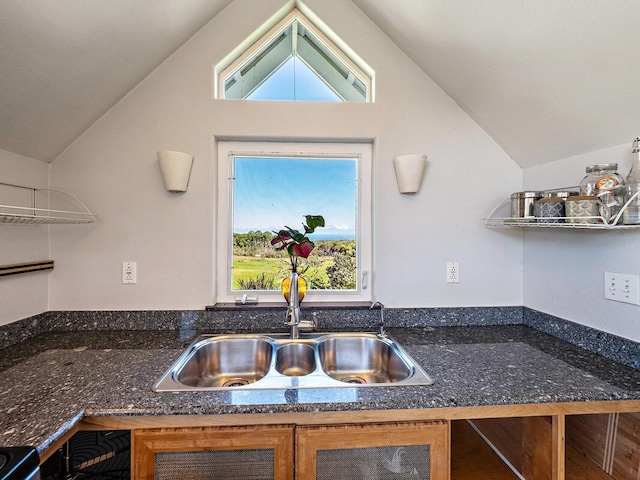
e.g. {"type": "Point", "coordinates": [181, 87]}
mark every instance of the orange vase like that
{"type": "Point", "coordinates": [285, 288]}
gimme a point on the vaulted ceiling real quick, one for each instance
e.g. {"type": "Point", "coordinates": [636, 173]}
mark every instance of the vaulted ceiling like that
{"type": "Point", "coordinates": [64, 63]}
{"type": "Point", "coordinates": [547, 79]}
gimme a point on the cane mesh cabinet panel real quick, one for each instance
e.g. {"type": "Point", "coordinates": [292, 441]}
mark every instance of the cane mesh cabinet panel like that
{"type": "Point", "coordinates": [391, 451]}
{"type": "Point", "coordinates": [224, 453]}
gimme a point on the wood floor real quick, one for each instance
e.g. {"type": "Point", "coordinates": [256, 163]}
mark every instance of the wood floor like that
{"type": "Point", "coordinates": [473, 459]}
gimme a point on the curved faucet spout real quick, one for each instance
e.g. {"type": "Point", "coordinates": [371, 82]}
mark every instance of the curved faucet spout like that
{"type": "Point", "coordinates": [381, 332]}
{"type": "Point", "coordinates": [293, 310]}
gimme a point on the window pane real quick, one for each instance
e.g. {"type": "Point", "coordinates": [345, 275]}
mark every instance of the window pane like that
{"type": "Point", "coordinates": [271, 192]}
{"type": "Point", "coordinates": [294, 81]}
{"type": "Point", "coordinates": [295, 60]}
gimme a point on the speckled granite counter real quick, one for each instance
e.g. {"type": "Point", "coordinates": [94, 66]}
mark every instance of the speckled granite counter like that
{"type": "Point", "coordinates": [51, 381]}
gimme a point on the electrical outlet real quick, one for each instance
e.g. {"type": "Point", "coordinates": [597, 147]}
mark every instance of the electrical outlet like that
{"type": "Point", "coordinates": [453, 272]}
{"type": "Point", "coordinates": [129, 274]}
{"type": "Point", "coordinates": [622, 288]}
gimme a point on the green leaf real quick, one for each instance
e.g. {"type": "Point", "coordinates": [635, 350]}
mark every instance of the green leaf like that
{"type": "Point", "coordinates": [313, 222]}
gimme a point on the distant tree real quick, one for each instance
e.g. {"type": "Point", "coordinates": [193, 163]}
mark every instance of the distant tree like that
{"type": "Point", "coordinates": [251, 243]}
{"type": "Point", "coordinates": [330, 247]}
{"type": "Point", "coordinates": [342, 274]}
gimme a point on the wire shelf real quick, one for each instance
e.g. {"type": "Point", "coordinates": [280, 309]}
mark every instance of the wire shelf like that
{"type": "Point", "coordinates": [506, 222]}
{"type": "Point", "coordinates": [33, 215]}
{"type": "Point", "coordinates": [597, 222]}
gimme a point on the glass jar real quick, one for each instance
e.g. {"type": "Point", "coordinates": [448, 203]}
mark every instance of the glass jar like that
{"type": "Point", "coordinates": [604, 182]}
{"type": "Point", "coordinates": [631, 214]}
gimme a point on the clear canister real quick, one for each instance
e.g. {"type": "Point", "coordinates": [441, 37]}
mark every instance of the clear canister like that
{"type": "Point", "coordinates": [631, 215]}
{"type": "Point", "coordinates": [600, 177]}
{"type": "Point", "coordinates": [604, 182]}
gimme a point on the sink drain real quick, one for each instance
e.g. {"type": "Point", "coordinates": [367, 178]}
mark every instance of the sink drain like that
{"type": "Point", "coordinates": [236, 382]}
{"type": "Point", "coordinates": [354, 379]}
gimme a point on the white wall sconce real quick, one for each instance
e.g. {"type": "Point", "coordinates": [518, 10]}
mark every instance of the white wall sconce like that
{"type": "Point", "coordinates": [176, 169]}
{"type": "Point", "coordinates": [409, 171]}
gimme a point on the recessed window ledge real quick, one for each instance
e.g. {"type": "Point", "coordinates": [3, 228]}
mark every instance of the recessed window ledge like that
{"type": "Point", "coordinates": [280, 306]}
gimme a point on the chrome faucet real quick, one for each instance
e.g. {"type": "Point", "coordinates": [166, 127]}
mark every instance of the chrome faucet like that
{"type": "Point", "coordinates": [293, 310]}
{"type": "Point", "coordinates": [381, 332]}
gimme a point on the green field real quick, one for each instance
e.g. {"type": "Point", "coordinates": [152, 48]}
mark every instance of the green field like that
{"type": "Point", "coordinates": [246, 267]}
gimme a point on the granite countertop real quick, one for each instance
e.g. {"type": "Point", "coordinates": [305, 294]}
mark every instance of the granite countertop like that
{"type": "Point", "coordinates": [52, 381]}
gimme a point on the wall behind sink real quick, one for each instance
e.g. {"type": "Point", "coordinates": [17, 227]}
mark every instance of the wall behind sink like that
{"type": "Point", "coordinates": [113, 168]}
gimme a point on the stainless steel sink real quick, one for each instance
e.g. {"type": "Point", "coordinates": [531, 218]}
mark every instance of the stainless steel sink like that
{"type": "Point", "coordinates": [273, 361]}
{"type": "Point", "coordinates": [295, 359]}
{"type": "Point", "coordinates": [362, 360]}
{"type": "Point", "coordinates": [225, 362]}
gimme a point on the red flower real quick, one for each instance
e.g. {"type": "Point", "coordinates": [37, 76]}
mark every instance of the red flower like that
{"type": "Point", "coordinates": [296, 243]}
{"type": "Point", "coordinates": [303, 249]}
{"type": "Point", "coordinates": [282, 238]}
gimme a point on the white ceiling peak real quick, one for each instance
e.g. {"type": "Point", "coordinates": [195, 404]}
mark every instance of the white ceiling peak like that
{"type": "Point", "coordinates": [546, 79]}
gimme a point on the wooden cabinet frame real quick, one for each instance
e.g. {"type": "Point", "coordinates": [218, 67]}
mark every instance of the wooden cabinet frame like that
{"type": "Point", "coordinates": [310, 440]}
{"type": "Point", "coordinates": [533, 446]}
{"type": "Point", "coordinates": [550, 431]}
{"type": "Point", "coordinates": [145, 443]}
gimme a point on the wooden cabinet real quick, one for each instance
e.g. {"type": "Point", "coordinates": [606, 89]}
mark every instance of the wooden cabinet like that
{"type": "Point", "coordinates": [610, 442]}
{"type": "Point", "coordinates": [579, 441]}
{"type": "Point", "coordinates": [559, 447]}
{"type": "Point", "coordinates": [472, 458]}
{"type": "Point", "coordinates": [406, 450]}
{"type": "Point", "coordinates": [531, 446]}
{"type": "Point", "coordinates": [257, 452]}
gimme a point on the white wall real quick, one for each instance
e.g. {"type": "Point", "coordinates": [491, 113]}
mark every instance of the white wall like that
{"type": "Point", "coordinates": [22, 295]}
{"type": "Point", "coordinates": [113, 168]}
{"type": "Point", "coordinates": [564, 269]}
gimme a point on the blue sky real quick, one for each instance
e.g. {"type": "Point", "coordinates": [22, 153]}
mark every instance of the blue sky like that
{"type": "Point", "coordinates": [294, 81]}
{"type": "Point", "coordinates": [272, 192]}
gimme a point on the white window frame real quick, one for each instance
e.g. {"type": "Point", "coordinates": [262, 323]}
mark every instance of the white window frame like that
{"type": "Point", "coordinates": [323, 41]}
{"type": "Point", "coordinates": [362, 152]}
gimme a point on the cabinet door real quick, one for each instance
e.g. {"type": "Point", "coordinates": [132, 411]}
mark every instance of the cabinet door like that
{"type": "Point", "coordinates": [391, 451]}
{"type": "Point", "coordinates": [257, 452]}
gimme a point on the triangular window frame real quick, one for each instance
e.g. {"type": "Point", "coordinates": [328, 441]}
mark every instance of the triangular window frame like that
{"type": "Point", "coordinates": [346, 75]}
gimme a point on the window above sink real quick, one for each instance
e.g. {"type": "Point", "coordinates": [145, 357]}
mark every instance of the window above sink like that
{"type": "Point", "coordinates": [263, 186]}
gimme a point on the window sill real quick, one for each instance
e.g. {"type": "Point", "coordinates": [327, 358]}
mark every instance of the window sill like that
{"type": "Point", "coordinates": [280, 306]}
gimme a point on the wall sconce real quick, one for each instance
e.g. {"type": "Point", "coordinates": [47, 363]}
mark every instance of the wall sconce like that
{"type": "Point", "coordinates": [176, 169]}
{"type": "Point", "coordinates": [409, 171]}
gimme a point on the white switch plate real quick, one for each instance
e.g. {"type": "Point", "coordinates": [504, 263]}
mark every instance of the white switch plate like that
{"type": "Point", "coordinates": [129, 274]}
{"type": "Point", "coordinates": [622, 288]}
{"type": "Point", "coordinates": [453, 272]}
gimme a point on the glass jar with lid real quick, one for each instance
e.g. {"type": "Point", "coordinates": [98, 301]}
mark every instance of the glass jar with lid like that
{"type": "Point", "coordinates": [604, 182]}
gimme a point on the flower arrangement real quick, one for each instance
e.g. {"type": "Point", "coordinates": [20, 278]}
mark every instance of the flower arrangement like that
{"type": "Point", "coordinates": [296, 243]}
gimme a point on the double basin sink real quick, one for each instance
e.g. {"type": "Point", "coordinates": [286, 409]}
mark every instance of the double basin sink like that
{"type": "Point", "coordinates": [276, 361]}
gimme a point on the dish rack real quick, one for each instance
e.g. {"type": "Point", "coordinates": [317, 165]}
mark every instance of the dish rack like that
{"type": "Point", "coordinates": [532, 222]}
{"type": "Point", "coordinates": [34, 215]}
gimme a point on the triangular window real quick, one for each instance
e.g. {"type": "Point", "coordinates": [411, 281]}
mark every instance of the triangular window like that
{"type": "Point", "coordinates": [295, 60]}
